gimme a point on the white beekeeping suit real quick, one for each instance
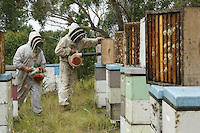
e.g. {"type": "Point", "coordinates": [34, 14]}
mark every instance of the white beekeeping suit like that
{"type": "Point", "coordinates": [73, 41]}
{"type": "Point", "coordinates": [29, 55]}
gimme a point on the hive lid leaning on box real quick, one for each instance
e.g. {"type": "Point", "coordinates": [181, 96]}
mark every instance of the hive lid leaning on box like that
{"type": "Point", "coordinates": [183, 97]}
{"type": "Point", "coordinates": [135, 71]}
{"type": "Point", "coordinates": [113, 67]}
{"type": "Point", "coordinates": [156, 91]}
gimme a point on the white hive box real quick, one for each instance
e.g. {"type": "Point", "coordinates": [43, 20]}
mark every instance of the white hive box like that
{"type": "Point", "coordinates": [156, 93]}
{"type": "Point", "coordinates": [181, 109]}
{"type": "Point", "coordinates": [6, 114]}
{"type": "Point", "coordinates": [100, 99]}
{"type": "Point", "coordinates": [137, 111]}
{"type": "Point", "coordinates": [100, 85]}
{"type": "Point", "coordinates": [123, 81]}
{"type": "Point", "coordinates": [132, 128]}
{"type": "Point", "coordinates": [51, 78]}
{"type": "Point", "coordinates": [6, 129]}
{"type": "Point", "coordinates": [6, 92]}
{"type": "Point", "coordinates": [122, 124]}
{"type": "Point", "coordinates": [6, 102]}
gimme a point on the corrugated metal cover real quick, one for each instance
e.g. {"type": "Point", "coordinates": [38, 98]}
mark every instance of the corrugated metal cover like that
{"type": "Point", "coordinates": [157, 91]}
{"type": "Point", "coordinates": [135, 71]}
{"type": "Point", "coordinates": [184, 96]}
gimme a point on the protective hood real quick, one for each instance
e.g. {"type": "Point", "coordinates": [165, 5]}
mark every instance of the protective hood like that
{"type": "Point", "coordinates": [35, 40]}
{"type": "Point", "coordinates": [76, 33]}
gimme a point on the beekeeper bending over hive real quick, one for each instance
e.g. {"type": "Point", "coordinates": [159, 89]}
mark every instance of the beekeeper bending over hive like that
{"type": "Point", "coordinates": [72, 42]}
{"type": "Point", "coordinates": [30, 63]}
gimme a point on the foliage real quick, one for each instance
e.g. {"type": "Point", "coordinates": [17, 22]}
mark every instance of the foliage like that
{"type": "Point", "coordinates": [50, 42]}
{"type": "Point", "coordinates": [12, 14]}
{"type": "Point", "coordinates": [87, 70]}
{"type": "Point", "coordinates": [84, 116]}
{"type": "Point", "coordinates": [186, 3]}
{"type": "Point", "coordinates": [12, 41]}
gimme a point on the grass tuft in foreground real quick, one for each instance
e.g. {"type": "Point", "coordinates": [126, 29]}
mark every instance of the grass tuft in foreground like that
{"type": "Point", "coordinates": [84, 116]}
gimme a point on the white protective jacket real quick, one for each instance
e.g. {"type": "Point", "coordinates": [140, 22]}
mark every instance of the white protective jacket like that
{"type": "Point", "coordinates": [68, 75]}
{"type": "Point", "coordinates": [25, 56]}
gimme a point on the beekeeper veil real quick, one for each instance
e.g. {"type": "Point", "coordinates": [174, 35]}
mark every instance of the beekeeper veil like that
{"type": "Point", "coordinates": [76, 33]}
{"type": "Point", "coordinates": [35, 41]}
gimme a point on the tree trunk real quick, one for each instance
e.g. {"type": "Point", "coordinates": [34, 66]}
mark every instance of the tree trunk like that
{"type": "Point", "coordinates": [118, 14]}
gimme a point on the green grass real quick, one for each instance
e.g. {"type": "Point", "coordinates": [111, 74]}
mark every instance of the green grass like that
{"type": "Point", "coordinates": [84, 116]}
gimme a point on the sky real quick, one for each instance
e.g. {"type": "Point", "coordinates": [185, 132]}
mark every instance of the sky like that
{"type": "Point", "coordinates": [37, 27]}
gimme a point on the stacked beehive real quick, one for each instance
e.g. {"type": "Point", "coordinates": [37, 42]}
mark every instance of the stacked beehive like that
{"type": "Point", "coordinates": [113, 106]}
{"type": "Point", "coordinates": [100, 81]}
{"type": "Point", "coordinates": [51, 79]}
{"type": "Point", "coordinates": [6, 93]}
{"type": "Point", "coordinates": [172, 60]}
{"type": "Point", "coordinates": [100, 85]}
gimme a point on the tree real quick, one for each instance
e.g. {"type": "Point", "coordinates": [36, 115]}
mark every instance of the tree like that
{"type": "Point", "coordinates": [65, 10]}
{"type": "Point", "coordinates": [12, 41]}
{"type": "Point", "coordinates": [12, 14]}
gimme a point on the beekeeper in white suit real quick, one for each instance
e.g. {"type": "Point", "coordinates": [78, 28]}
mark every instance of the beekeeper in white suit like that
{"type": "Point", "coordinates": [29, 56]}
{"type": "Point", "coordinates": [72, 42]}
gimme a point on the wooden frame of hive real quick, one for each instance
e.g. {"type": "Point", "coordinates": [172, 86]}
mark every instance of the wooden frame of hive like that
{"type": "Point", "coordinates": [132, 43]}
{"type": "Point", "coordinates": [119, 47]}
{"type": "Point", "coordinates": [173, 47]}
{"type": "Point", "coordinates": [2, 53]}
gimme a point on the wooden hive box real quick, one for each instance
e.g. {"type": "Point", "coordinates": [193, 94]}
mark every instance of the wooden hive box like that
{"type": "Point", "coordinates": [2, 53]}
{"type": "Point", "coordinates": [119, 47]}
{"type": "Point", "coordinates": [107, 51]}
{"type": "Point", "coordinates": [132, 43]}
{"type": "Point", "coordinates": [173, 47]}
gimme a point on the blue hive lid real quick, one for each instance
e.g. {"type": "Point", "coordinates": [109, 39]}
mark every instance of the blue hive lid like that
{"type": "Point", "coordinates": [113, 67]}
{"type": "Point", "coordinates": [99, 65]}
{"type": "Point", "coordinates": [183, 96]}
{"type": "Point", "coordinates": [5, 77]}
{"type": "Point", "coordinates": [52, 65]}
{"type": "Point", "coordinates": [156, 90]}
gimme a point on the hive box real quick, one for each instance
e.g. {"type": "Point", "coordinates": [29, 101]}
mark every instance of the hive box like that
{"type": "Point", "coordinates": [123, 81]}
{"type": "Point", "coordinates": [123, 90]}
{"type": "Point", "coordinates": [156, 93]}
{"type": "Point", "coordinates": [181, 109]}
{"type": "Point", "coordinates": [126, 127]}
{"type": "Point", "coordinates": [100, 85]}
{"type": "Point", "coordinates": [51, 79]}
{"type": "Point", "coordinates": [119, 47]}
{"type": "Point", "coordinates": [113, 83]}
{"type": "Point", "coordinates": [113, 111]}
{"type": "Point", "coordinates": [6, 101]}
{"type": "Point", "coordinates": [173, 39]}
{"type": "Point", "coordinates": [107, 51]}
{"type": "Point", "coordinates": [136, 87]}
{"type": "Point", "coordinates": [137, 97]}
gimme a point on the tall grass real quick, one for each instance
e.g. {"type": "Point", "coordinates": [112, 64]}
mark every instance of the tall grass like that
{"type": "Point", "coordinates": [84, 116]}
